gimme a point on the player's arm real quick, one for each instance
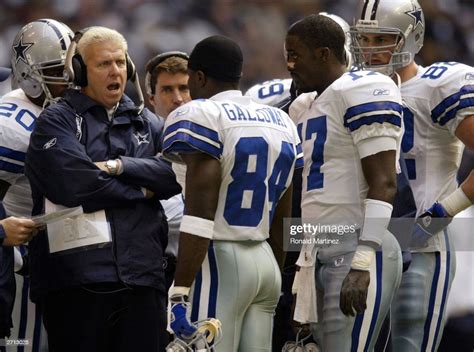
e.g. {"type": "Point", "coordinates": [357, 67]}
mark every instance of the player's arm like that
{"type": "Point", "coordinates": [379, 171]}
{"type": "Point", "coordinates": [282, 210]}
{"type": "Point", "coordinates": [465, 131]}
{"type": "Point", "coordinates": [442, 212]}
{"type": "Point", "coordinates": [203, 179]}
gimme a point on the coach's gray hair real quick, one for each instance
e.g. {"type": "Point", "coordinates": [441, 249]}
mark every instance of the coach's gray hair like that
{"type": "Point", "coordinates": [99, 34]}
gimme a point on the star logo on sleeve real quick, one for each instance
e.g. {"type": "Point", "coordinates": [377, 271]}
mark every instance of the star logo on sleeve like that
{"type": "Point", "coordinates": [20, 50]}
{"type": "Point", "coordinates": [416, 14]}
{"type": "Point", "coordinates": [141, 138]}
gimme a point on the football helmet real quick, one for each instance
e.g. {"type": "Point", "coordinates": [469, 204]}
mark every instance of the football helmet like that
{"type": "Point", "coordinates": [40, 45]}
{"type": "Point", "coordinates": [402, 18]}
{"type": "Point", "coordinates": [209, 334]}
{"type": "Point", "coordinates": [346, 28]}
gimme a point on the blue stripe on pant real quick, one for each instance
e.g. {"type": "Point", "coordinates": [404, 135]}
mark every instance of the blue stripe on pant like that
{"type": "Point", "coordinates": [375, 314]}
{"type": "Point", "coordinates": [207, 278]}
{"type": "Point", "coordinates": [419, 308]}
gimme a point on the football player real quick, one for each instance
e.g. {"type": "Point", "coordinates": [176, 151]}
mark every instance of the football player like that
{"type": "Point", "coordinates": [38, 54]}
{"type": "Point", "coordinates": [281, 93]}
{"type": "Point", "coordinates": [239, 158]}
{"type": "Point", "coordinates": [350, 138]}
{"type": "Point", "coordinates": [439, 121]}
{"type": "Point", "coordinates": [4, 80]}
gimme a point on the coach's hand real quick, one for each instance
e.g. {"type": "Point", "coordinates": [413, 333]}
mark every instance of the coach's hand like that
{"type": "Point", "coordinates": [180, 324]}
{"type": "Point", "coordinates": [354, 292]}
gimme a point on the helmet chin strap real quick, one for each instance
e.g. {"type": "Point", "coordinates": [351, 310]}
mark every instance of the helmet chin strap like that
{"type": "Point", "coordinates": [396, 77]}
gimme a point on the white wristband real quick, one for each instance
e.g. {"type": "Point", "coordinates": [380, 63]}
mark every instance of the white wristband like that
{"type": "Point", "coordinates": [197, 226]}
{"type": "Point", "coordinates": [456, 202]}
{"type": "Point", "coordinates": [178, 290]}
{"type": "Point", "coordinates": [376, 219]}
{"type": "Point", "coordinates": [363, 258]}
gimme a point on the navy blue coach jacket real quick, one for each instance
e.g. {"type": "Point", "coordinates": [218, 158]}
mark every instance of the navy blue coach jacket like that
{"type": "Point", "coordinates": [69, 136]}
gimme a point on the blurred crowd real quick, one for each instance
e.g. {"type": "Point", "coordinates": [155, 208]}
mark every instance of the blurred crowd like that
{"type": "Point", "coordinates": [154, 26]}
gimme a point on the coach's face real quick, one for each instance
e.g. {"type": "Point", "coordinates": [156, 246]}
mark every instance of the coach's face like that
{"type": "Point", "coordinates": [302, 63]}
{"type": "Point", "coordinates": [106, 73]}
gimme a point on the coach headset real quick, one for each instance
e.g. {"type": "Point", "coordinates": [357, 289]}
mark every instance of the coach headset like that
{"type": "Point", "coordinates": [153, 63]}
{"type": "Point", "coordinates": [75, 69]}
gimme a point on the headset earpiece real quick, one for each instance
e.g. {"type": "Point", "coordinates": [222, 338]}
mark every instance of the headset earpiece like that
{"type": "Point", "coordinates": [80, 71]}
{"type": "Point", "coordinates": [131, 70]}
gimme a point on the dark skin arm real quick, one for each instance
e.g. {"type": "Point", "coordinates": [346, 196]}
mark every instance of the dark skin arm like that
{"type": "Point", "coordinates": [282, 210]}
{"type": "Point", "coordinates": [379, 171]}
{"type": "Point", "coordinates": [203, 180]}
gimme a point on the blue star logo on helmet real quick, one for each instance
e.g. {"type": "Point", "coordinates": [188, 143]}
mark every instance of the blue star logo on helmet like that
{"type": "Point", "coordinates": [416, 14]}
{"type": "Point", "coordinates": [20, 50]}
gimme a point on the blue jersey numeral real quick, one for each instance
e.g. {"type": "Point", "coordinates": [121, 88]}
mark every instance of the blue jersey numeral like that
{"type": "Point", "coordinates": [436, 71]}
{"type": "Point", "coordinates": [279, 177]}
{"type": "Point", "coordinates": [317, 126]}
{"type": "Point", "coordinates": [271, 90]}
{"type": "Point", "coordinates": [24, 117]}
{"type": "Point", "coordinates": [408, 141]}
{"type": "Point", "coordinates": [249, 175]}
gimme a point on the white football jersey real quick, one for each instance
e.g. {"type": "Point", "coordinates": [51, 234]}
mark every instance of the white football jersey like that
{"type": "Point", "coordinates": [436, 101]}
{"type": "Point", "coordinates": [257, 146]}
{"type": "Point", "coordinates": [270, 92]}
{"type": "Point", "coordinates": [360, 114]}
{"type": "Point", "coordinates": [18, 117]}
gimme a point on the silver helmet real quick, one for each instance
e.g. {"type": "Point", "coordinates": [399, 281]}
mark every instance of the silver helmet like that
{"type": "Point", "coordinates": [208, 335]}
{"type": "Point", "coordinates": [346, 28]}
{"type": "Point", "coordinates": [403, 19]}
{"type": "Point", "coordinates": [39, 45]}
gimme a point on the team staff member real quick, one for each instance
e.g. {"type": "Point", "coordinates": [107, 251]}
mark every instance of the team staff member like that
{"type": "Point", "coordinates": [167, 88]}
{"type": "Point", "coordinates": [96, 149]}
{"type": "Point", "coordinates": [13, 232]}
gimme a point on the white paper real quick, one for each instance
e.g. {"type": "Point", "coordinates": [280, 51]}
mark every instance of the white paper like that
{"type": "Point", "coordinates": [49, 218]}
{"type": "Point", "coordinates": [76, 231]}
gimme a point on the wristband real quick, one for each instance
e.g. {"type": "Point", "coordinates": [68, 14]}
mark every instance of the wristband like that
{"type": "Point", "coordinates": [456, 202]}
{"type": "Point", "coordinates": [363, 258]}
{"type": "Point", "coordinates": [376, 219]}
{"type": "Point", "coordinates": [178, 291]}
{"type": "Point", "coordinates": [197, 226]}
